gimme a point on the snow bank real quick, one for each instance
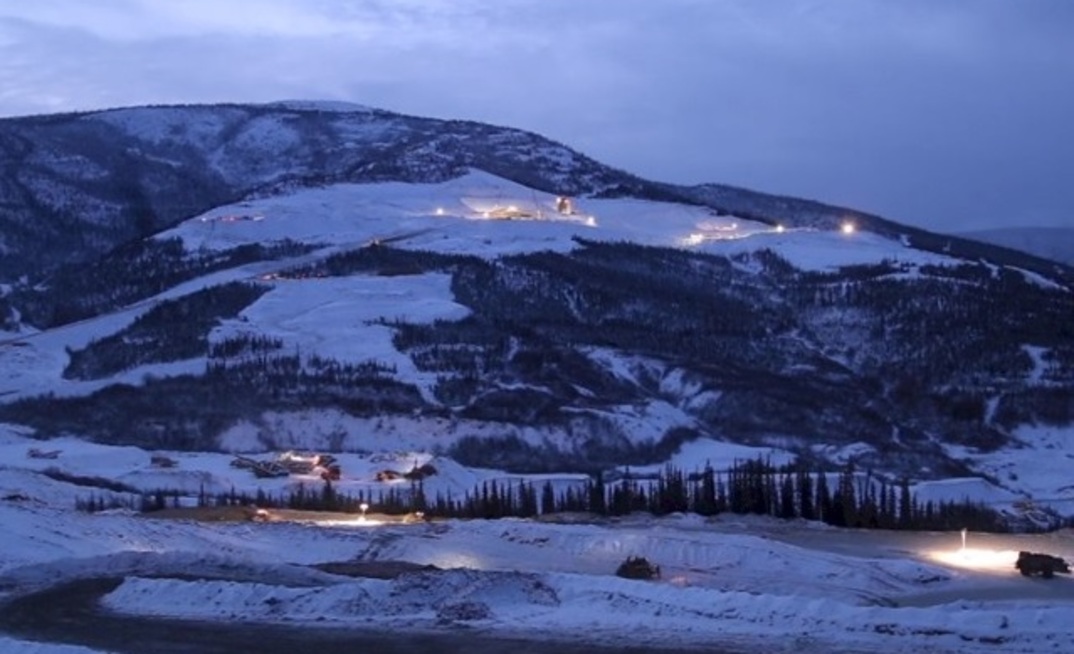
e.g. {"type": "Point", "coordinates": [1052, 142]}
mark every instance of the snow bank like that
{"type": "Point", "coordinates": [12, 646]}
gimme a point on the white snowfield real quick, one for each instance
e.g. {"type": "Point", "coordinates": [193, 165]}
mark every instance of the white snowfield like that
{"type": "Point", "coordinates": [733, 582]}
{"type": "Point", "coordinates": [483, 215]}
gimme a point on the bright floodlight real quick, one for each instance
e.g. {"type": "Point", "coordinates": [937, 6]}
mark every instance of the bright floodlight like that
{"type": "Point", "coordinates": [779, 229]}
{"type": "Point", "coordinates": [440, 211]}
{"type": "Point", "coordinates": [848, 228]}
{"type": "Point", "coordinates": [976, 559]}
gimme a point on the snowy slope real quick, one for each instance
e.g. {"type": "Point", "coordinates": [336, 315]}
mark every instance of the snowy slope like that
{"type": "Point", "coordinates": [731, 580]}
{"type": "Point", "coordinates": [740, 581]}
{"type": "Point", "coordinates": [459, 216]}
{"type": "Point", "coordinates": [448, 217]}
{"type": "Point", "coordinates": [343, 318]}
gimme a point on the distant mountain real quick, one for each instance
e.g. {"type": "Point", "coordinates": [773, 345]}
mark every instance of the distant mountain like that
{"type": "Point", "coordinates": [305, 275]}
{"type": "Point", "coordinates": [1055, 243]}
{"type": "Point", "coordinates": [74, 186]}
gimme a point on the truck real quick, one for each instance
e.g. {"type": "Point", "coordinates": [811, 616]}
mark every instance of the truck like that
{"type": "Point", "coordinates": [1038, 564]}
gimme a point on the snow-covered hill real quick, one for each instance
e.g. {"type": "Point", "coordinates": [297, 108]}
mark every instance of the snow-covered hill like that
{"type": "Point", "coordinates": [402, 291]}
{"type": "Point", "coordinates": [385, 261]}
{"type": "Point", "coordinates": [76, 185]}
{"type": "Point", "coordinates": [340, 277]}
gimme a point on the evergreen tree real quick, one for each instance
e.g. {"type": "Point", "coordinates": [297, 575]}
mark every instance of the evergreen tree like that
{"type": "Point", "coordinates": [806, 499]}
{"type": "Point", "coordinates": [787, 509]}
{"type": "Point", "coordinates": [906, 506]}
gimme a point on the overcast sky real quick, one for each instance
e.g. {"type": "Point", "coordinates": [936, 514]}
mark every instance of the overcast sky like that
{"type": "Point", "coordinates": [950, 115]}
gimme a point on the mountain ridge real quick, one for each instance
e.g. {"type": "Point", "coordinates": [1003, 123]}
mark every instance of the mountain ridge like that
{"type": "Point", "coordinates": [414, 295]}
{"type": "Point", "coordinates": [170, 162]}
{"type": "Point", "coordinates": [1055, 243]}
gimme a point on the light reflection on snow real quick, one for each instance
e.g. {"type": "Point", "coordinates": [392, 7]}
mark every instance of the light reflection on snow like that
{"type": "Point", "coordinates": [448, 560]}
{"type": "Point", "coordinates": [976, 559]}
{"type": "Point", "coordinates": [350, 522]}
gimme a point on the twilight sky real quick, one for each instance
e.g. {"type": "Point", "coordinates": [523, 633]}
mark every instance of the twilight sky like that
{"type": "Point", "coordinates": [947, 114]}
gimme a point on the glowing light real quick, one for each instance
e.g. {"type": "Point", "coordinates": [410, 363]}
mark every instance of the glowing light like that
{"type": "Point", "coordinates": [440, 211]}
{"type": "Point", "coordinates": [355, 522]}
{"type": "Point", "coordinates": [977, 559]}
{"type": "Point", "coordinates": [513, 208]}
{"type": "Point", "coordinates": [591, 221]}
{"type": "Point", "coordinates": [485, 214]}
{"type": "Point", "coordinates": [848, 228]}
{"type": "Point", "coordinates": [780, 229]}
{"type": "Point", "coordinates": [696, 238]}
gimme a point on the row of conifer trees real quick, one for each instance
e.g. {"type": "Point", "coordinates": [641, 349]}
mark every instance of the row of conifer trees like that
{"type": "Point", "coordinates": [846, 499]}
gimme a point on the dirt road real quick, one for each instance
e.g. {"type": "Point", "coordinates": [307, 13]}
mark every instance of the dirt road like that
{"type": "Point", "coordinates": [69, 614]}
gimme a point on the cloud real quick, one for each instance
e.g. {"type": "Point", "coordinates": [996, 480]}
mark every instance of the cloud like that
{"type": "Point", "coordinates": [938, 112]}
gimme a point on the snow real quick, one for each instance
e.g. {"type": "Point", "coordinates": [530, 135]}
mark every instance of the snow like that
{"type": "Point", "coordinates": [459, 216]}
{"type": "Point", "coordinates": [1040, 280]}
{"type": "Point", "coordinates": [1036, 354]}
{"type": "Point", "coordinates": [740, 581]}
{"type": "Point", "coordinates": [12, 646]}
{"type": "Point", "coordinates": [335, 318]}
{"type": "Point", "coordinates": [698, 454]}
{"type": "Point", "coordinates": [342, 318]}
{"type": "Point", "coordinates": [335, 430]}
{"type": "Point", "coordinates": [827, 251]}
{"type": "Point", "coordinates": [33, 363]}
{"type": "Point", "coordinates": [180, 124]}
{"type": "Point", "coordinates": [1037, 463]}
{"type": "Point", "coordinates": [212, 472]}
{"type": "Point", "coordinates": [961, 489]}
{"type": "Point", "coordinates": [746, 581]}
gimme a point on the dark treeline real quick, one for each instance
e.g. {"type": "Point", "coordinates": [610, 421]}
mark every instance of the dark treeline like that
{"type": "Point", "coordinates": [241, 345]}
{"type": "Point", "coordinates": [187, 412]}
{"type": "Point", "coordinates": [172, 330]}
{"type": "Point", "coordinates": [379, 259]}
{"type": "Point", "coordinates": [132, 272]}
{"type": "Point", "coordinates": [852, 500]}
